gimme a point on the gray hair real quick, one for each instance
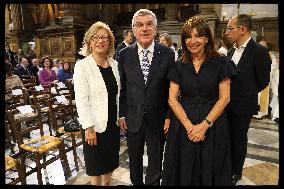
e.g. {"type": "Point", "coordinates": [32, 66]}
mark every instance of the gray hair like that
{"type": "Point", "coordinates": [143, 12]}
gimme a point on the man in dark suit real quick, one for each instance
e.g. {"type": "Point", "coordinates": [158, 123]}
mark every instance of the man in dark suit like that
{"type": "Point", "coordinates": [23, 69]}
{"type": "Point", "coordinates": [254, 62]}
{"type": "Point", "coordinates": [11, 55]}
{"type": "Point", "coordinates": [128, 38]}
{"type": "Point", "coordinates": [143, 104]}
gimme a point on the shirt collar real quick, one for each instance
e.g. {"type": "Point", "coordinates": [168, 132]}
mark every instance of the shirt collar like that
{"type": "Point", "coordinates": [150, 48]}
{"type": "Point", "coordinates": [126, 44]}
{"type": "Point", "coordinates": [243, 45]}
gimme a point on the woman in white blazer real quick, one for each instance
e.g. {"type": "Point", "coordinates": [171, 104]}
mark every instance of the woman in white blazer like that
{"type": "Point", "coordinates": [97, 86]}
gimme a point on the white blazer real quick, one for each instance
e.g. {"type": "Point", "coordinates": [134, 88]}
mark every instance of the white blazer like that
{"type": "Point", "coordinates": [91, 93]}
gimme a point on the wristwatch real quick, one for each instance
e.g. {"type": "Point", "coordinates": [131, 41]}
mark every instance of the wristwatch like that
{"type": "Point", "coordinates": [209, 122]}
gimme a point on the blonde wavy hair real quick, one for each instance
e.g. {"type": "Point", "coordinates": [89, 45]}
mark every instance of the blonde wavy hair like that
{"type": "Point", "coordinates": [85, 50]}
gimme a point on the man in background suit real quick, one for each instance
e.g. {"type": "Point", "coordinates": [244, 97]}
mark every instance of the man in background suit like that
{"type": "Point", "coordinates": [128, 38]}
{"type": "Point", "coordinates": [23, 69]}
{"type": "Point", "coordinates": [254, 62]}
{"type": "Point", "coordinates": [143, 104]}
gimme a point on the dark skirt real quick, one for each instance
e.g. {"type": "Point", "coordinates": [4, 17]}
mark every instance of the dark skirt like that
{"type": "Point", "coordinates": [206, 163]}
{"type": "Point", "coordinates": [102, 158]}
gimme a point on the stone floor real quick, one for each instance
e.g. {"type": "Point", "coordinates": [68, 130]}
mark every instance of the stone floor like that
{"type": "Point", "coordinates": [261, 165]}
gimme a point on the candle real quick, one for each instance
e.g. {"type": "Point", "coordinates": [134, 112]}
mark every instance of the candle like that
{"type": "Point", "coordinates": [262, 33]}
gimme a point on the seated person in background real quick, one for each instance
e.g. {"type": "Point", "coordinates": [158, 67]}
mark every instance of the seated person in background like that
{"type": "Point", "coordinates": [24, 68]}
{"type": "Point", "coordinates": [11, 79]}
{"type": "Point", "coordinates": [47, 76]}
{"type": "Point", "coordinates": [35, 69]}
{"type": "Point", "coordinates": [56, 66]}
{"type": "Point", "coordinates": [35, 65]}
{"type": "Point", "coordinates": [65, 74]}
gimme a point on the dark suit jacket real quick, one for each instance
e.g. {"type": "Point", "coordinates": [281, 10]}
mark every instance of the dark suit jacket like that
{"type": "Point", "coordinates": [136, 98]}
{"type": "Point", "coordinates": [33, 70]}
{"type": "Point", "coordinates": [254, 65]}
{"type": "Point", "coordinates": [20, 71]}
{"type": "Point", "coordinates": [119, 47]}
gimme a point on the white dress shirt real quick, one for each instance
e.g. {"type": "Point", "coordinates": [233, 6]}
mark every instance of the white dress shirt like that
{"type": "Point", "coordinates": [150, 54]}
{"type": "Point", "coordinates": [126, 44]}
{"type": "Point", "coordinates": [239, 51]}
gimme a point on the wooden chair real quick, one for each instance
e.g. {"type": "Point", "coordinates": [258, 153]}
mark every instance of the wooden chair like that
{"type": "Point", "coordinates": [37, 147]}
{"type": "Point", "coordinates": [12, 164]}
{"type": "Point", "coordinates": [69, 95]}
{"type": "Point", "coordinates": [41, 98]}
{"type": "Point", "coordinates": [11, 99]}
{"type": "Point", "coordinates": [9, 134]}
{"type": "Point", "coordinates": [58, 113]}
{"type": "Point", "coordinates": [29, 82]}
{"type": "Point", "coordinates": [11, 102]}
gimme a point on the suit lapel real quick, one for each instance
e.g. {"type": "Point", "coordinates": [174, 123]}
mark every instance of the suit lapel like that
{"type": "Point", "coordinates": [154, 63]}
{"type": "Point", "coordinates": [136, 63]}
{"type": "Point", "coordinates": [245, 55]}
{"type": "Point", "coordinates": [231, 52]}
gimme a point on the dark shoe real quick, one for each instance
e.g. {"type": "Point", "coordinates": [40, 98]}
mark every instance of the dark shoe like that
{"type": "Point", "coordinates": [236, 178]}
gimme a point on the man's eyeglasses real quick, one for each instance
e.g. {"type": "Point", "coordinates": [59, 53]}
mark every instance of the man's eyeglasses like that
{"type": "Point", "coordinates": [140, 25]}
{"type": "Point", "coordinates": [230, 29]}
{"type": "Point", "coordinates": [96, 38]}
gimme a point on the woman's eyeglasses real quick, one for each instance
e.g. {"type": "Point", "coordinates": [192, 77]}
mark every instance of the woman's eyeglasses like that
{"type": "Point", "coordinates": [96, 38]}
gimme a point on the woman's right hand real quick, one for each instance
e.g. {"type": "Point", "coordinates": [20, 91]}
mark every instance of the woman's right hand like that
{"type": "Point", "coordinates": [90, 136]}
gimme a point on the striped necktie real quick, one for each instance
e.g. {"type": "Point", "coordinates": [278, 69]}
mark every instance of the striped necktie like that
{"type": "Point", "coordinates": [145, 64]}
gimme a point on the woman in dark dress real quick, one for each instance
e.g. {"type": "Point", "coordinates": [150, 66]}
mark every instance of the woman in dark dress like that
{"type": "Point", "coordinates": [97, 86]}
{"type": "Point", "coordinates": [198, 148]}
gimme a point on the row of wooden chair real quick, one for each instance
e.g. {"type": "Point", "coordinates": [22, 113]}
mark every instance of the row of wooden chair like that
{"type": "Point", "coordinates": [46, 109]}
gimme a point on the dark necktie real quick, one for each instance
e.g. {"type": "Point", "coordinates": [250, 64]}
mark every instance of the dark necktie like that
{"type": "Point", "coordinates": [145, 65]}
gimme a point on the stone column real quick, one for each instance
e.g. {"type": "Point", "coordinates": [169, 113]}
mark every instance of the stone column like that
{"type": "Point", "coordinates": [43, 14]}
{"type": "Point", "coordinates": [73, 10]}
{"type": "Point", "coordinates": [17, 17]}
{"type": "Point", "coordinates": [171, 11]}
{"type": "Point", "coordinates": [139, 6]}
{"type": "Point", "coordinates": [17, 35]}
{"type": "Point", "coordinates": [206, 9]}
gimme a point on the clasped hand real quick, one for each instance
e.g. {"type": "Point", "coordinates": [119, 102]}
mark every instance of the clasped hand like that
{"type": "Point", "coordinates": [196, 133]}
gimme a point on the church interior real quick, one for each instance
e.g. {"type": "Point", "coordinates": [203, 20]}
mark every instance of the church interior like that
{"type": "Point", "coordinates": [57, 31]}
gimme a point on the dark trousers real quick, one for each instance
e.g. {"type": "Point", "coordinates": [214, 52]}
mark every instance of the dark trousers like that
{"type": "Point", "coordinates": [239, 126]}
{"type": "Point", "coordinates": [155, 143]}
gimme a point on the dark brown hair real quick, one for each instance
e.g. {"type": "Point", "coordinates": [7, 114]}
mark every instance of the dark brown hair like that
{"type": "Point", "coordinates": [203, 29]}
{"type": "Point", "coordinates": [43, 59]}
